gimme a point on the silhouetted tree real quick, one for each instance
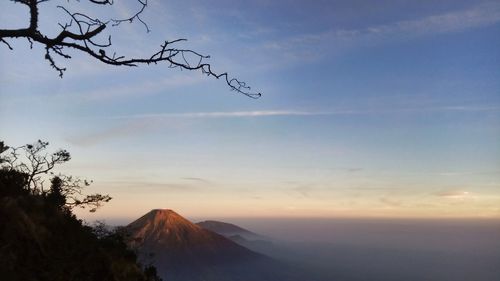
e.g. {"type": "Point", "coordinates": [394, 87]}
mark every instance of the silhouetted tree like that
{"type": "Point", "coordinates": [41, 239]}
{"type": "Point", "coordinates": [36, 165]}
{"type": "Point", "coordinates": [32, 160]}
{"type": "Point", "coordinates": [3, 148]}
{"type": "Point", "coordinates": [12, 183]}
{"type": "Point", "coordinates": [81, 31]}
{"type": "Point", "coordinates": [55, 195]}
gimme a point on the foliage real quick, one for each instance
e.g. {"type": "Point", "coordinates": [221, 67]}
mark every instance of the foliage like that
{"type": "Point", "coordinates": [41, 239]}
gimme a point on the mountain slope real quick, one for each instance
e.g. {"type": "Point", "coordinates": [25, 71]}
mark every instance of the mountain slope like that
{"type": "Point", "coordinates": [179, 239]}
{"type": "Point", "coordinates": [41, 241]}
{"type": "Point", "coordinates": [183, 251]}
{"type": "Point", "coordinates": [228, 229]}
{"type": "Point", "coordinates": [239, 235]}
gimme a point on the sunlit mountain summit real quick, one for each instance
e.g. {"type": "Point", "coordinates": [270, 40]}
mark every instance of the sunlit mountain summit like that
{"type": "Point", "coordinates": [182, 251]}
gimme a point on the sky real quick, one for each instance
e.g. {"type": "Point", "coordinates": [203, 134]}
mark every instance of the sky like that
{"type": "Point", "coordinates": [369, 109]}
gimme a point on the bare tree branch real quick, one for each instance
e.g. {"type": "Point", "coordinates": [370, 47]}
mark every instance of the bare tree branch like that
{"type": "Point", "coordinates": [34, 161]}
{"type": "Point", "coordinates": [81, 33]}
{"type": "Point", "coordinates": [70, 188]}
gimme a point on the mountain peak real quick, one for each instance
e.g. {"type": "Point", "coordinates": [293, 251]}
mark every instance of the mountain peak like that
{"type": "Point", "coordinates": [162, 211]}
{"type": "Point", "coordinates": [163, 214]}
{"type": "Point", "coordinates": [162, 226]}
{"type": "Point", "coordinates": [170, 230]}
{"type": "Point", "coordinates": [164, 218]}
{"type": "Point", "coordinates": [181, 250]}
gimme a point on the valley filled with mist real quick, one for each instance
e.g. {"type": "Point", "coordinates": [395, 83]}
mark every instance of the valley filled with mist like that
{"type": "Point", "coordinates": [348, 248]}
{"type": "Point", "coordinates": [386, 249]}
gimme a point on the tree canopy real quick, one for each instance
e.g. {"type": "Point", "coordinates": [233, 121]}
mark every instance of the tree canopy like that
{"type": "Point", "coordinates": [40, 237]}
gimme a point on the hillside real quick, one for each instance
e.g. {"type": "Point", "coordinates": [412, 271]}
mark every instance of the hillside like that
{"type": "Point", "coordinates": [42, 241]}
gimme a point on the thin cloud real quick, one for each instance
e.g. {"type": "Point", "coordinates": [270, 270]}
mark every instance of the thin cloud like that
{"type": "Point", "coordinates": [313, 46]}
{"type": "Point", "coordinates": [451, 174]}
{"type": "Point", "coordinates": [462, 173]}
{"type": "Point", "coordinates": [140, 89]}
{"type": "Point", "coordinates": [202, 180]}
{"type": "Point", "coordinates": [303, 191]}
{"type": "Point", "coordinates": [368, 188]}
{"type": "Point", "coordinates": [271, 113]}
{"type": "Point", "coordinates": [469, 108]}
{"type": "Point", "coordinates": [481, 15]}
{"type": "Point", "coordinates": [124, 130]}
{"type": "Point", "coordinates": [351, 169]}
{"type": "Point", "coordinates": [229, 114]}
{"type": "Point", "coordinates": [390, 202]}
{"type": "Point", "coordinates": [454, 194]}
{"type": "Point", "coordinates": [142, 186]}
{"type": "Point", "coordinates": [140, 123]}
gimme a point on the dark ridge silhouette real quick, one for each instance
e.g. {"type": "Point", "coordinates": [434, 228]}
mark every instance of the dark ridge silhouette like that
{"type": "Point", "coordinates": [41, 241]}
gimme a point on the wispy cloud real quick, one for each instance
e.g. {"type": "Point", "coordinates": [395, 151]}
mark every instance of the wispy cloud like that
{"type": "Point", "coordinates": [469, 108]}
{"type": "Point", "coordinates": [351, 169]}
{"type": "Point", "coordinates": [313, 46]}
{"type": "Point", "coordinates": [143, 186]}
{"type": "Point", "coordinates": [481, 15]}
{"type": "Point", "coordinates": [229, 114]}
{"type": "Point", "coordinates": [270, 113]}
{"type": "Point", "coordinates": [390, 202]}
{"type": "Point", "coordinates": [128, 129]}
{"type": "Point", "coordinates": [195, 179]}
{"type": "Point", "coordinates": [451, 174]}
{"type": "Point", "coordinates": [139, 123]}
{"type": "Point", "coordinates": [465, 173]}
{"type": "Point", "coordinates": [142, 88]}
{"type": "Point", "coordinates": [453, 194]}
{"type": "Point", "coordinates": [303, 190]}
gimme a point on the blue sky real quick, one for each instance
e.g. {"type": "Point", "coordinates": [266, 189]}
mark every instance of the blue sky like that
{"type": "Point", "coordinates": [369, 109]}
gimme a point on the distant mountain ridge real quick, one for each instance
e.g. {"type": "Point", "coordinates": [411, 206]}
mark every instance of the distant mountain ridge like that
{"type": "Point", "coordinates": [228, 229]}
{"type": "Point", "coordinates": [241, 236]}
